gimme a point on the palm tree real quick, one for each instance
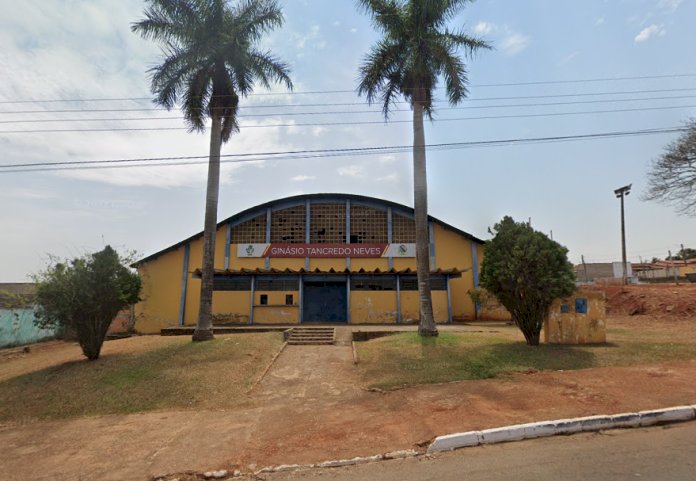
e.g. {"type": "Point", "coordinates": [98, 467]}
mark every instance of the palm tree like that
{"type": "Point", "coordinates": [210, 61]}
{"type": "Point", "coordinates": [416, 49]}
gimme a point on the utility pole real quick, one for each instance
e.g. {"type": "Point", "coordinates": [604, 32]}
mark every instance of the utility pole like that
{"type": "Point", "coordinates": [584, 266]}
{"type": "Point", "coordinates": [620, 193]}
{"type": "Point", "coordinates": [674, 270]}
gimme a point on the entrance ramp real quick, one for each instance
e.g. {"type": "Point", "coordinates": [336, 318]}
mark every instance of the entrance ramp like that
{"type": "Point", "coordinates": [312, 336]}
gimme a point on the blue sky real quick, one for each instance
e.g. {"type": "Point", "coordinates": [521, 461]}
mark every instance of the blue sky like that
{"type": "Point", "coordinates": [69, 49]}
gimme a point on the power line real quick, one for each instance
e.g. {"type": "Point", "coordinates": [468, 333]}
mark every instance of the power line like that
{"type": "Point", "coordinates": [356, 112]}
{"type": "Point", "coordinates": [318, 92]}
{"type": "Point", "coordinates": [334, 124]}
{"type": "Point", "coordinates": [345, 104]}
{"type": "Point", "coordinates": [300, 154]}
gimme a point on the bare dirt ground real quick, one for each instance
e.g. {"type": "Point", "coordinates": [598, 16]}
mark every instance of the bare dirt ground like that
{"type": "Point", "coordinates": [310, 408]}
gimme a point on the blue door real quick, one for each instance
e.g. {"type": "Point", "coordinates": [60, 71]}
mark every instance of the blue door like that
{"type": "Point", "coordinates": [325, 301]}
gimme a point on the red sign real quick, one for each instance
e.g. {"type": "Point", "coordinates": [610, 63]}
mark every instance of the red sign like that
{"type": "Point", "coordinates": [325, 250]}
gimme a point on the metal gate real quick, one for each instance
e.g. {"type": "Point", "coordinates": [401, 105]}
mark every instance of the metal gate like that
{"type": "Point", "coordinates": [325, 301]}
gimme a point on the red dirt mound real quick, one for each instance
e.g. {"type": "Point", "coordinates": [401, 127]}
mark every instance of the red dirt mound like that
{"type": "Point", "coordinates": [669, 300]}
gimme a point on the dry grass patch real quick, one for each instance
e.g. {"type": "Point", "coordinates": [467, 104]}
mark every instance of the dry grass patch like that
{"type": "Point", "coordinates": [173, 374]}
{"type": "Point", "coordinates": [407, 359]}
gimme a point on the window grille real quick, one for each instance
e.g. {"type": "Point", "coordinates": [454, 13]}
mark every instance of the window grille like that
{"type": "Point", "coordinates": [328, 224]}
{"type": "Point", "coordinates": [386, 283]}
{"type": "Point", "coordinates": [285, 284]}
{"type": "Point", "coordinates": [232, 284]}
{"type": "Point", "coordinates": [403, 229]}
{"type": "Point", "coordinates": [288, 225]}
{"type": "Point", "coordinates": [368, 225]}
{"type": "Point", "coordinates": [252, 231]}
{"type": "Point", "coordinates": [410, 283]}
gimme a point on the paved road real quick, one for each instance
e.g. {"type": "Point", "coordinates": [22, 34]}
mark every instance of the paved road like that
{"type": "Point", "coordinates": [662, 453]}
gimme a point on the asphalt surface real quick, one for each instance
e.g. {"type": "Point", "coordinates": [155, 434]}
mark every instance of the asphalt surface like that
{"type": "Point", "coordinates": [666, 453]}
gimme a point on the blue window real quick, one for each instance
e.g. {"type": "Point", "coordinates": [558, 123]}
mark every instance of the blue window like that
{"type": "Point", "coordinates": [565, 308]}
{"type": "Point", "coordinates": [581, 306]}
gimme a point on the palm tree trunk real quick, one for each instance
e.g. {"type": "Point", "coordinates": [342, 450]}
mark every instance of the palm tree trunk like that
{"type": "Point", "coordinates": [204, 328]}
{"type": "Point", "coordinates": [427, 325]}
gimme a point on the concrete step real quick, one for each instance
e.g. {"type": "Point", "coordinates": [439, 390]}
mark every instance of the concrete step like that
{"type": "Point", "coordinates": [311, 336]}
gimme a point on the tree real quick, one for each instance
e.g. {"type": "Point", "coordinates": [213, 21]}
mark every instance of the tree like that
{"type": "Point", "coordinates": [672, 178]}
{"type": "Point", "coordinates": [416, 50]}
{"type": "Point", "coordinates": [685, 253]}
{"type": "Point", "coordinates": [85, 294]}
{"type": "Point", "coordinates": [526, 271]}
{"type": "Point", "coordinates": [211, 60]}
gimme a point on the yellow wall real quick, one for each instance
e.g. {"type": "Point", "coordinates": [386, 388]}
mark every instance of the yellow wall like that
{"type": "Point", "coordinates": [276, 315]}
{"type": "Point", "coordinates": [454, 251]}
{"type": "Point", "coordinates": [577, 328]}
{"type": "Point", "coordinates": [378, 307]}
{"type": "Point", "coordinates": [231, 307]}
{"type": "Point", "coordinates": [410, 309]}
{"type": "Point", "coordinates": [161, 292]}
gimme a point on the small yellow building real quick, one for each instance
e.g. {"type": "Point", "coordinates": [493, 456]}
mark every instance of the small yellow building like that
{"type": "Point", "coordinates": [329, 258]}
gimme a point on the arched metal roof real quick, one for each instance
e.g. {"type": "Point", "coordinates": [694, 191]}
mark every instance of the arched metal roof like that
{"type": "Point", "coordinates": [300, 198]}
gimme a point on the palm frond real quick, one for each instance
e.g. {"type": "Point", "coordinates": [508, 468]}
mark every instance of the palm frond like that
{"type": "Point", "coordinates": [209, 55]}
{"type": "Point", "coordinates": [269, 68]}
{"type": "Point", "coordinates": [196, 97]}
{"type": "Point", "coordinates": [167, 20]}
{"type": "Point", "coordinates": [469, 44]}
{"type": "Point", "coordinates": [253, 18]}
{"type": "Point", "coordinates": [387, 15]}
{"type": "Point", "coordinates": [382, 65]}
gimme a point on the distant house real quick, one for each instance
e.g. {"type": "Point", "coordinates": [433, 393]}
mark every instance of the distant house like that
{"type": "Point", "coordinates": [665, 270]}
{"type": "Point", "coordinates": [17, 316]}
{"type": "Point", "coordinates": [602, 271]}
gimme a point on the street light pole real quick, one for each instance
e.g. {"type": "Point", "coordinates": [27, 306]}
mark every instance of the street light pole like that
{"type": "Point", "coordinates": [620, 194]}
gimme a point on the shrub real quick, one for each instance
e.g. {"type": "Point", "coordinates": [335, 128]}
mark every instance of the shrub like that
{"type": "Point", "coordinates": [84, 295]}
{"type": "Point", "coordinates": [526, 271]}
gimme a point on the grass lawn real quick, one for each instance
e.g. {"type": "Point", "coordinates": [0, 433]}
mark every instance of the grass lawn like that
{"type": "Point", "coordinates": [407, 359]}
{"type": "Point", "coordinates": [176, 374]}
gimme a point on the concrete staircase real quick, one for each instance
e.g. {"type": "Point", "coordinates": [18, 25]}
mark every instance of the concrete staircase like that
{"type": "Point", "coordinates": [311, 336]}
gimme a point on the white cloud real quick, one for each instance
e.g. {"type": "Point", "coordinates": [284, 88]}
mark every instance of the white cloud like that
{"type": "Point", "coordinates": [669, 5]}
{"type": "Point", "coordinates": [302, 178]}
{"type": "Point", "coordinates": [514, 43]}
{"type": "Point", "coordinates": [351, 171]}
{"type": "Point", "coordinates": [648, 32]}
{"type": "Point", "coordinates": [568, 58]}
{"type": "Point", "coordinates": [26, 194]}
{"type": "Point", "coordinates": [393, 177]}
{"type": "Point", "coordinates": [599, 21]}
{"type": "Point", "coordinates": [483, 28]}
{"type": "Point", "coordinates": [311, 39]}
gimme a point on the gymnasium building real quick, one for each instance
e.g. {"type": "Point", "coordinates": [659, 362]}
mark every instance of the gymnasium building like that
{"type": "Point", "coordinates": [319, 258]}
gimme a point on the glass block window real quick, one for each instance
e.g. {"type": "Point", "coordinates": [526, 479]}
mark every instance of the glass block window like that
{"type": "Point", "coordinates": [410, 283]}
{"type": "Point", "coordinates": [368, 225]}
{"type": "Point", "coordinates": [373, 283]}
{"type": "Point", "coordinates": [288, 225]}
{"type": "Point", "coordinates": [328, 224]}
{"type": "Point", "coordinates": [252, 231]}
{"type": "Point", "coordinates": [403, 230]}
{"type": "Point", "coordinates": [277, 284]}
{"type": "Point", "coordinates": [232, 284]}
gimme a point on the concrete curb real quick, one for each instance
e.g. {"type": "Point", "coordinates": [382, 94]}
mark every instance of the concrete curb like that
{"type": "Point", "coordinates": [337, 463]}
{"type": "Point", "coordinates": [268, 368]}
{"type": "Point", "coordinates": [515, 432]}
{"type": "Point", "coordinates": [541, 429]}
